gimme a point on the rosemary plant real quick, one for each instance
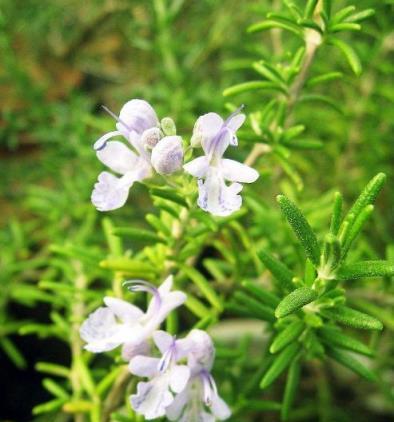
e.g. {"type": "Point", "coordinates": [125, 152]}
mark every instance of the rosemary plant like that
{"type": "Point", "coordinates": [251, 306]}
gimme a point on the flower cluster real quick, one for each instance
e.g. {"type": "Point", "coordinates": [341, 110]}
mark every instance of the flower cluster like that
{"type": "Point", "coordinates": [179, 383]}
{"type": "Point", "coordinates": [155, 147]}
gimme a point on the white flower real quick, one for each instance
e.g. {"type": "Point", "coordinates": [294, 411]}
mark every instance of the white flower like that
{"type": "Point", "coordinates": [121, 323]}
{"type": "Point", "coordinates": [166, 377]}
{"type": "Point", "coordinates": [212, 171]}
{"type": "Point", "coordinates": [139, 125]}
{"type": "Point", "coordinates": [199, 400]}
{"type": "Point", "coordinates": [135, 118]}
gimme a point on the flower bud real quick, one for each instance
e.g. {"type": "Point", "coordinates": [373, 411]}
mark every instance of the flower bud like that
{"type": "Point", "coordinates": [195, 141]}
{"type": "Point", "coordinates": [150, 137]}
{"type": "Point", "coordinates": [168, 126]}
{"type": "Point", "coordinates": [167, 155]}
{"type": "Point", "coordinates": [202, 351]}
{"type": "Point", "coordinates": [197, 136]}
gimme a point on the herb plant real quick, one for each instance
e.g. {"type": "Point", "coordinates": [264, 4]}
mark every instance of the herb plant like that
{"type": "Point", "coordinates": [254, 306]}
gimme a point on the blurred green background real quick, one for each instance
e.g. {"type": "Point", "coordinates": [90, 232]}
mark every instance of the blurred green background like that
{"type": "Point", "coordinates": [60, 60]}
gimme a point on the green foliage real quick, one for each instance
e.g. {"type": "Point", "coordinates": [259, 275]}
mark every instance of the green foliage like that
{"type": "Point", "coordinates": [294, 301]}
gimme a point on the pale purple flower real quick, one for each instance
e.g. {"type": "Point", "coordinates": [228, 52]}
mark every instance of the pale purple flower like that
{"type": "Point", "coordinates": [209, 125]}
{"type": "Point", "coordinates": [111, 192]}
{"type": "Point", "coordinates": [212, 171]}
{"type": "Point", "coordinates": [148, 151]}
{"type": "Point", "coordinates": [121, 323]}
{"type": "Point", "coordinates": [166, 376]}
{"type": "Point", "coordinates": [199, 400]}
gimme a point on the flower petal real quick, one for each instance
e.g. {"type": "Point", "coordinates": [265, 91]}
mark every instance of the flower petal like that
{"type": "Point", "coordinates": [170, 302]}
{"type": "Point", "coordinates": [205, 128]}
{"type": "Point", "coordinates": [118, 157]}
{"type": "Point", "coordinates": [101, 142]}
{"type": "Point", "coordinates": [236, 122]}
{"type": "Point", "coordinates": [197, 167]}
{"type": "Point", "coordinates": [166, 286]}
{"type": "Point", "coordinates": [214, 148]}
{"type": "Point", "coordinates": [238, 172]}
{"type": "Point", "coordinates": [132, 349]}
{"type": "Point", "coordinates": [179, 377]}
{"type": "Point", "coordinates": [163, 340]}
{"type": "Point", "coordinates": [123, 310]}
{"type": "Point", "coordinates": [201, 353]}
{"type": "Point", "coordinates": [143, 366]}
{"type": "Point", "coordinates": [220, 409]}
{"type": "Point", "coordinates": [138, 115]}
{"type": "Point", "coordinates": [152, 398]}
{"type": "Point", "coordinates": [101, 332]}
{"type": "Point", "coordinates": [216, 197]}
{"type": "Point", "coordinates": [161, 304]}
{"type": "Point", "coordinates": [175, 409]}
{"type": "Point", "coordinates": [109, 192]}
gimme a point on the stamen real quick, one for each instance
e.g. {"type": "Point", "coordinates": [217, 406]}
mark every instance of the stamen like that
{"type": "Point", "coordinates": [168, 356]}
{"type": "Point", "coordinates": [140, 286]}
{"type": "Point", "coordinates": [234, 113]}
{"type": "Point", "coordinates": [144, 286]}
{"type": "Point", "coordinates": [209, 387]}
{"type": "Point", "coordinates": [100, 147]}
{"type": "Point", "coordinates": [112, 114]}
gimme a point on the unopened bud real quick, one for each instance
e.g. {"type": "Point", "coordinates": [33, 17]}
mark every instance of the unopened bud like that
{"type": "Point", "coordinates": [151, 137]}
{"type": "Point", "coordinates": [167, 155]}
{"type": "Point", "coordinates": [197, 136]}
{"type": "Point", "coordinates": [168, 126]}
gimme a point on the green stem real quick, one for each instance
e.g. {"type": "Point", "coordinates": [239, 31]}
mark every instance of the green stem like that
{"type": "Point", "coordinates": [77, 315]}
{"type": "Point", "coordinates": [312, 42]}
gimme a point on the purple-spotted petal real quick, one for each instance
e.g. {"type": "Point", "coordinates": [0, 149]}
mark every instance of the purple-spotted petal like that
{"type": "Point", "coordinates": [201, 353]}
{"type": "Point", "coordinates": [234, 171]}
{"type": "Point", "coordinates": [109, 192]}
{"type": "Point", "coordinates": [101, 332]}
{"type": "Point", "coordinates": [167, 155]}
{"type": "Point", "coordinates": [216, 197]}
{"type": "Point", "coordinates": [152, 398]}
